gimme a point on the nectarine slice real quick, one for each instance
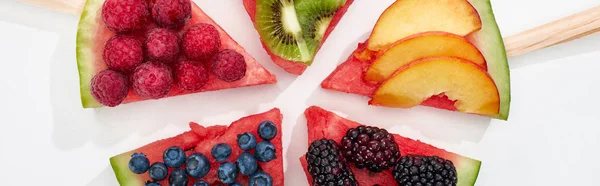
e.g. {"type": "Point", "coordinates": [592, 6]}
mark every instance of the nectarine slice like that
{"type": "Point", "coordinates": [408, 17]}
{"type": "Point", "coordinates": [422, 45]}
{"type": "Point", "coordinates": [460, 80]}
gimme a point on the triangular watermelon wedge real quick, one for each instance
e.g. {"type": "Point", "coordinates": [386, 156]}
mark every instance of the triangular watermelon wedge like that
{"type": "Point", "coordinates": [348, 76]}
{"type": "Point", "coordinates": [201, 139]}
{"type": "Point", "coordinates": [325, 124]}
{"type": "Point", "coordinates": [92, 34]}
{"type": "Point", "coordinates": [290, 66]}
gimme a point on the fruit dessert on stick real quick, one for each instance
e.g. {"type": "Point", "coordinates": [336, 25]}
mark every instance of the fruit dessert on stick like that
{"type": "Point", "coordinates": [134, 50]}
{"type": "Point", "coordinates": [344, 152]}
{"type": "Point", "coordinates": [447, 54]}
{"type": "Point", "coordinates": [292, 31]}
{"type": "Point", "coordinates": [247, 152]}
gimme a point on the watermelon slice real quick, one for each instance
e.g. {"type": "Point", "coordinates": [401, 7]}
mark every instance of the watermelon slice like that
{"type": "Point", "coordinates": [325, 124]}
{"type": "Point", "coordinates": [201, 139]}
{"type": "Point", "coordinates": [347, 77]}
{"type": "Point", "coordinates": [92, 34]}
{"type": "Point", "coordinates": [294, 67]}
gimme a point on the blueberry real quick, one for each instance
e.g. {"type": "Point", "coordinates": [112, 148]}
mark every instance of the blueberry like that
{"type": "Point", "coordinates": [260, 179]}
{"type": "Point", "coordinates": [201, 183]}
{"type": "Point", "coordinates": [246, 163]}
{"type": "Point", "coordinates": [197, 165]}
{"type": "Point", "coordinates": [158, 171]}
{"type": "Point", "coordinates": [178, 178]}
{"type": "Point", "coordinates": [174, 157]}
{"type": "Point", "coordinates": [246, 141]}
{"type": "Point", "coordinates": [221, 152]}
{"type": "Point", "coordinates": [139, 163]}
{"type": "Point", "coordinates": [152, 183]}
{"type": "Point", "coordinates": [227, 172]}
{"type": "Point", "coordinates": [267, 130]}
{"type": "Point", "coordinates": [235, 184]}
{"type": "Point", "coordinates": [265, 151]}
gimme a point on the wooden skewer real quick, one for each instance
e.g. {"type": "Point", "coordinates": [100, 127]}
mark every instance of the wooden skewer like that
{"type": "Point", "coordinates": [563, 30]}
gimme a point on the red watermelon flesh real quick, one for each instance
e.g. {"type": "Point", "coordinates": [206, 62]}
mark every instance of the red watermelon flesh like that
{"type": "Point", "coordinates": [345, 79]}
{"type": "Point", "coordinates": [291, 66]}
{"type": "Point", "coordinates": [325, 124]}
{"type": "Point", "coordinates": [93, 33]}
{"type": "Point", "coordinates": [207, 131]}
{"type": "Point", "coordinates": [229, 136]}
{"type": "Point", "coordinates": [202, 139]}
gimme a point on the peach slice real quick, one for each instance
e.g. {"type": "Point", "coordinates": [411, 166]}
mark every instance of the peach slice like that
{"type": "Point", "coordinates": [408, 17]}
{"type": "Point", "coordinates": [460, 80]}
{"type": "Point", "coordinates": [422, 45]}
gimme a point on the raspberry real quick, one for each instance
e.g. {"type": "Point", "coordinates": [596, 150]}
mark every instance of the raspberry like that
{"type": "Point", "coordinates": [201, 42]}
{"type": "Point", "coordinates": [125, 15]}
{"type": "Point", "coordinates": [152, 80]}
{"type": "Point", "coordinates": [190, 75]}
{"type": "Point", "coordinates": [123, 53]}
{"type": "Point", "coordinates": [171, 14]}
{"type": "Point", "coordinates": [109, 87]}
{"type": "Point", "coordinates": [229, 66]}
{"type": "Point", "coordinates": [162, 45]}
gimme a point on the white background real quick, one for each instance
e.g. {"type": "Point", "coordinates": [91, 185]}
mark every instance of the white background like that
{"type": "Point", "coordinates": [551, 137]}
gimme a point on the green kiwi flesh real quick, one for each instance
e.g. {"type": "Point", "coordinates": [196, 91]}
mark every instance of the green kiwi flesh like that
{"type": "Point", "coordinates": [293, 29]}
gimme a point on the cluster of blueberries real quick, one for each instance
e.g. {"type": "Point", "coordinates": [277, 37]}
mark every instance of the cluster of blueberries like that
{"type": "Point", "coordinates": [197, 165]}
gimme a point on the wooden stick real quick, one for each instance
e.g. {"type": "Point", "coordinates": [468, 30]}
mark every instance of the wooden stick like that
{"type": "Point", "coordinates": [563, 30]}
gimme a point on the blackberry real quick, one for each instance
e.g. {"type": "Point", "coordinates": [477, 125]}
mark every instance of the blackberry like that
{"type": "Point", "coordinates": [327, 166]}
{"type": "Point", "coordinates": [370, 147]}
{"type": "Point", "coordinates": [425, 170]}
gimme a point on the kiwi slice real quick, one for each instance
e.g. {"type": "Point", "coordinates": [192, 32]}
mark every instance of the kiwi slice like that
{"type": "Point", "coordinates": [293, 29]}
{"type": "Point", "coordinates": [315, 16]}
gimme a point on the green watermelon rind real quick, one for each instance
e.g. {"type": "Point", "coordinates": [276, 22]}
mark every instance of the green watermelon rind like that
{"type": "Point", "coordinates": [468, 171]}
{"type": "Point", "coordinates": [491, 44]}
{"type": "Point", "coordinates": [85, 34]}
{"type": "Point", "coordinates": [125, 177]}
